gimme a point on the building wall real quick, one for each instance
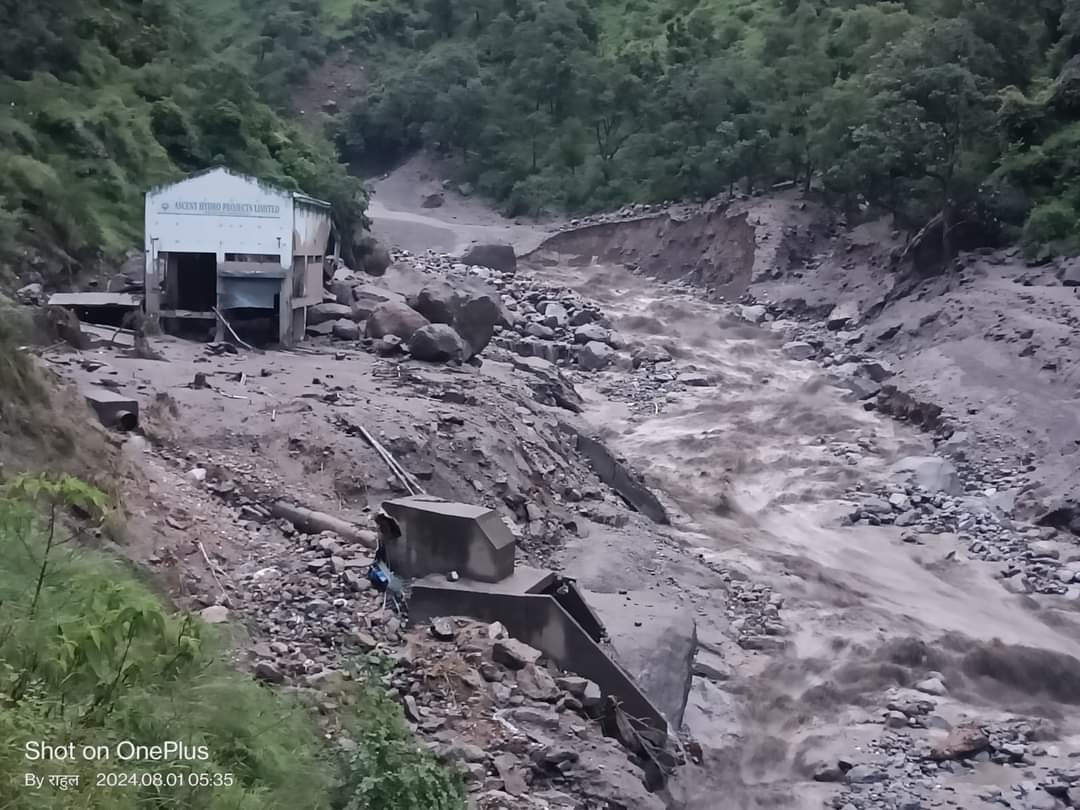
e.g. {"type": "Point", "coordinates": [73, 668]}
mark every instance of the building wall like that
{"type": "Point", "coordinates": [311, 236]}
{"type": "Point", "coordinates": [219, 212]}
{"type": "Point", "coordinates": [311, 229]}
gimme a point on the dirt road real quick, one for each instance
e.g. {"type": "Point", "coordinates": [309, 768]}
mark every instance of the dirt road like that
{"type": "Point", "coordinates": [401, 221]}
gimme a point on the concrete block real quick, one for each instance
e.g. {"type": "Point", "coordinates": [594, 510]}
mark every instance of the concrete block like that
{"type": "Point", "coordinates": [113, 410]}
{"type": "Point", "coordinates": [437, 537]}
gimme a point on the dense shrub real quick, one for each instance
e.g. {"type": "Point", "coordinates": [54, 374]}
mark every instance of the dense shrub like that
{"type": "Point", "coordinates": [1052, 223]}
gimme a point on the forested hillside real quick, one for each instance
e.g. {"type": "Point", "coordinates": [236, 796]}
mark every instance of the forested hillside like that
{"type": "Point", "coordinates": [102, 99]}
{"type": "Point", "coordinates": [966, 108]}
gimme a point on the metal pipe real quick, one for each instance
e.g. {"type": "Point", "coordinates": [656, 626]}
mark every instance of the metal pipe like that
{"type": "Point", "coordinates": [126, 421]}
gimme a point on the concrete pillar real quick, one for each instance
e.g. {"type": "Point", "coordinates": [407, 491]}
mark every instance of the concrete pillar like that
{"type": "Point", "coordinates": [219, 327]}
{"type": "Point", "coordinates": [285, 335]}
{"type": "Point", "coordinates": [152, 275]}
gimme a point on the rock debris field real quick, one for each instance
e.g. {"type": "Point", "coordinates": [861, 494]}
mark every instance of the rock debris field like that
{"type": "Point", "coordinates": [831, 552]}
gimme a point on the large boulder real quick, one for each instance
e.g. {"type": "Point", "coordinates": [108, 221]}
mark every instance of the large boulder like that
{"type": "Point", "coordinates": [343, 291]}
{"type": "Point", "coordinates": [497, 257]}
{"type": "Point", "coordinates": [321, 313]}
{"type": "Point", "coordinates": [1062, 514]}
{"type": "Point", "coordinates": [594, 356]}
{"type": "Point", "coordinates": [755, 313]}
{"type": "Point", "coordinates": [843, 316]}
{"type": "Point", "coordinates": [583, 316]}
{"type": "Point", "coordinates": [346, 329]}
{"type": "Point", "coordinates": [514, 654]}
{"type": "Point", "coordinates": [373, 257]}
{"type": "Point", "coordinates": [475, 321]}
{"type": "Point", "coordinates": [387, 346]}
{"type": "Point", "coordinates": [436, 302]}
{"type": "Point", "coordinates": [798, 350]}
{"type": "Point", "coordinates": [651, 354]}
{"type": "Point", "coordinates": [932, 473]}
{"type": "Point", "coordinates": [591, 331]}
{"type": "Point", "coordinates": [366, 298]}
{"type": "Point", "coordinates": [555, 314]}
{"type": "Point", "coordinates": [437, 343]}
{"type": "Point", "coordinates": [961, 742]}
{"type": "Point", "coordinates": [321, 329]}
{"type": "Point", "coordinates": [541, 331]}
{"type": "Point", "coordinates": [548, 384]}
{"type": "Point", "coordinates": [1070, 275]}
{"type": "Point", "coordinates": [394, 318]}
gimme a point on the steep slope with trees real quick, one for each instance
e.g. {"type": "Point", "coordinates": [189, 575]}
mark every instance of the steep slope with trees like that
{"type": "Point", "coordinates": [933, 108]}
{"type": "Point", "coordinates": [103, 99]}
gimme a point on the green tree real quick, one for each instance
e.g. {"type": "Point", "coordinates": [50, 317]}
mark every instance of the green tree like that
{"type": "Point", "coordinates": [929, 120]}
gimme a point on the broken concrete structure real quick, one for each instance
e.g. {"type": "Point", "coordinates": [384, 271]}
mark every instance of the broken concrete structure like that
{"type": "Point", "coordinates": [437, 537]}
{"type": "Point", "coordinates": [224, 245]}
{"type": "Point", "coordinates": [426, 539]}
{"type": "Point", "coordinates": [98, 307]}
{"type": "Point", "coordinates": [530, 607]}
{"type": "Point", "coordinates": [617, 476]}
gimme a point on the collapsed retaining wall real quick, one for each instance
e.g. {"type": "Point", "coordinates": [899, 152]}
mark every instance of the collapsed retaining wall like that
{"type": "Point", "coordinates": [541, 622]}
{"type": "Point", "coordinates": [714, 249]}
{"type": "Point", "coordinates": [722, 248]}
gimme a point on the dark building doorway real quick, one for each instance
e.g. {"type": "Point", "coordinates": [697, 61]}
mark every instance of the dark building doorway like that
{"type": "Point", "coordinates": [194, 280]}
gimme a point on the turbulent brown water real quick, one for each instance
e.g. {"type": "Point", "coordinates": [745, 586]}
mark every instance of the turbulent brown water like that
{"type": "Point", "coordinates": [757, 470]}
{"type": "Point", "coordinates": [758, 465]}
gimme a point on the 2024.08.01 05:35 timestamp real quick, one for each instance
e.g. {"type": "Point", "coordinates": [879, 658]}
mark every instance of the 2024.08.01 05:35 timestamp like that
{"type": "Point", "coordinates": [140, 779]}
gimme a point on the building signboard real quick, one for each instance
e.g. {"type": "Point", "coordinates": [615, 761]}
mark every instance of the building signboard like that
{"type": "Point", "coordinates": [217, 208]}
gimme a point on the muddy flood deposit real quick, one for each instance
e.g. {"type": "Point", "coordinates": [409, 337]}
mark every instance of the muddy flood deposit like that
{"type": "Point", "coordinates": [822, 504]}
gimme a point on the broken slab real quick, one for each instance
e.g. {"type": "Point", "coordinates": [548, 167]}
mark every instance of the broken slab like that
{"type": "Point", "coordinates": [109, 335]}
{"type": "Point", "coordinates": [436, 537]}
{"type": "Point", "coordinates": [655, 641]}
{"type": "Point", "coordinates": [932, 473]}
{"type": "Point", "coordinates": [619, 477]}
{"type": "Point", "coordinates": [91, 300]}
{"type": "Point", "coordinates": [535, 581]}
{"type": "Point", "coordinates": [113, 410]}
